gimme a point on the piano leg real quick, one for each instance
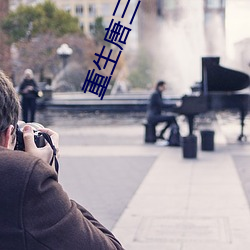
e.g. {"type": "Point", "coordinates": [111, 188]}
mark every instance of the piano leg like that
{"type": "Point", "coordinates": [190, 123]}
{"type": "Point", "coordinates": [243, 114]}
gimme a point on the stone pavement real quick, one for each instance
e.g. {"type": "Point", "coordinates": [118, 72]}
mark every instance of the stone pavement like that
{"type": "Point", "coordinates": [189, 204]}
{"type": "Point", "coordinates": [175, 203]}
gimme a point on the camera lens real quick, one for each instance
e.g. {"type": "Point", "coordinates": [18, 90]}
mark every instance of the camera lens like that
{"type": "Point", "coordinates": [38, 137]}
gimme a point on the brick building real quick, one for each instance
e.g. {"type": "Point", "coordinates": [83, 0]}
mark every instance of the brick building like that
{"type": "Point", "coordinates": [5, 62]}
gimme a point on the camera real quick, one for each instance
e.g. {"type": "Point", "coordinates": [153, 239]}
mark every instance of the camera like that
{"type": "Point", "coordinates": [38, 137]}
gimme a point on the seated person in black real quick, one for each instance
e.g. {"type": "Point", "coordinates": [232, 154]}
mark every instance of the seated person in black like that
{"type": "Point", "coordinates": [155, 107]}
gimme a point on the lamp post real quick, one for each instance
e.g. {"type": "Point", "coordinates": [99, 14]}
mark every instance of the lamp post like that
{"type": "Point", "coordinates": [64, 51]}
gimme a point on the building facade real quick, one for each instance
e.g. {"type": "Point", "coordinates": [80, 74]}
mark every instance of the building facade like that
{"type": "Point", "coordinates": [87, 10]}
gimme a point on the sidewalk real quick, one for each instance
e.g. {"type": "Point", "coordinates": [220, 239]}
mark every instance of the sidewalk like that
{"type": "Point", "coordinates": [150, 196]}
{"type": "Point", "coordinates": [185, 204]}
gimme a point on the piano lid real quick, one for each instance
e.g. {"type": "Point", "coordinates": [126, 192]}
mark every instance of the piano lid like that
{"type": "Point", "coordinates": [218, 78]}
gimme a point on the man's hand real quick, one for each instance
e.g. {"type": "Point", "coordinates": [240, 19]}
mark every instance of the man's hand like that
{"type": "Point", "coordinates": [45, 153]}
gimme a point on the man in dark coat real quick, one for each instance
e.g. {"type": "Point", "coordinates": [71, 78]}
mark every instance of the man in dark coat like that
{"type": "Point", "coordinates": [35, 212]}
{"type": "Point", "coordinates": [154, 109]}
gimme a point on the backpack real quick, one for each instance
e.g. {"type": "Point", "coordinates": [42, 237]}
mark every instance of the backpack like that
{"type": "Point", "coordinates": [174, 136]}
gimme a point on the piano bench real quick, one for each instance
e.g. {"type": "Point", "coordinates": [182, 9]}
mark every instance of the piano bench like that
{"type": "Point", "coordinates": [150, 132]}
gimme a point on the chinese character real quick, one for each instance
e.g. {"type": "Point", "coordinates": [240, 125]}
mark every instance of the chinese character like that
{"type": "Point", "coordinates": [115, 32]}
{"type": "Point", "coordinates": [123, 14]}
{"type": "Point", "coordinates": [97, 87]}
{"type": "Point", "coordinates": [107, 59]}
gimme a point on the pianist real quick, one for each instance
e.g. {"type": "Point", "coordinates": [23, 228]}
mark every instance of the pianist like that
{"type": "Point", "coordinates": [155, 107]}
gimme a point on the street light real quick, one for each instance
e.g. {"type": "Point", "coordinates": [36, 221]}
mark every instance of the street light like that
{"type": "Point", "coordinates": [64, 51]}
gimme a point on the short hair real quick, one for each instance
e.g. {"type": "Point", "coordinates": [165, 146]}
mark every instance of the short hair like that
{"type": "Point", "coordinates": [9, 104]}
{"type": "Point", "coordinates": [159, 84]}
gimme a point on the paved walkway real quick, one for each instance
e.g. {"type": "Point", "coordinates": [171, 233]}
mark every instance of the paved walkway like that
{"type": "Point", "coordinates": [185, 204]}
{"type": "Point", "coordinates": [178, 204]}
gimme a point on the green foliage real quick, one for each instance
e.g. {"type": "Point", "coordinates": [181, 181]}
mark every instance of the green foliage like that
{"type": "Point", "coordinates": [99, 32]}
{"type": "Point", "coordinates": [141, 75]}
{"type": "Point", "coordinates": [42, 18]}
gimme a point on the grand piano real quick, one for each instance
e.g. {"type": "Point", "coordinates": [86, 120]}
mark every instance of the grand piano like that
{"type": "Point", "coordinates": [220, 89]}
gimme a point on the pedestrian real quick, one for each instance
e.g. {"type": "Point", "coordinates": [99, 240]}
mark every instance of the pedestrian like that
{"type": "Point", "coordinates": [155, 108]}
{"type": "Point", "coordinates": [35, 212]}
{"type": "Point", "coordinates": [29, 92]}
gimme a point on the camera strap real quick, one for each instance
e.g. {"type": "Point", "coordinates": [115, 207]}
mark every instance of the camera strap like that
{"type": "Point", "coordinates": [48, 139]}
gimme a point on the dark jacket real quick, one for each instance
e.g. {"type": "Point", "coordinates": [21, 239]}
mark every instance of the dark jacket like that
{"type": "Point", "coordinates": [155, 104]}
{"type": "Point", "coordinates": [31, 94]}
{"type": "Point", "coordinates": [36, 214]}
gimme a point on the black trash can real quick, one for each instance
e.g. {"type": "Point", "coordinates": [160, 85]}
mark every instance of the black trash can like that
{"type": "Point", "coordinates": [207, 140]}
{"type": "Point", "coordinates": [150, 133]}
{"type": "Point", "coordinates": [189, 146]}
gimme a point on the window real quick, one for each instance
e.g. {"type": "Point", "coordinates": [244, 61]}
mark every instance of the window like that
{"type": "Point", "coordinates": [160, 6]}
{"type": "Point", "coordinates": [91, 27]}
{"type": "Point", "coordinates": [214, 4]}
{"type": "Point", "coordinates": [170, 4]}
{"type": "Point", "coordinates": [67, 8]}
{"type": "Point", "coordinates": [106, 10]}
{"type": "Point", "coordinates": [79, 10]}
{"type": "Point", "coordinates": [81, 26]}
{"type": "Point", "coordinates": [92, 10]}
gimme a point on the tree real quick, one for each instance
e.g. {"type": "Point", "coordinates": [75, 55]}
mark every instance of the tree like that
{"type": "Point", "coordinates": [42, 18]}
{"type": "Point", "coordinates": [40, 54]}
{"type": "Point", "coordinates": [99, 32]}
